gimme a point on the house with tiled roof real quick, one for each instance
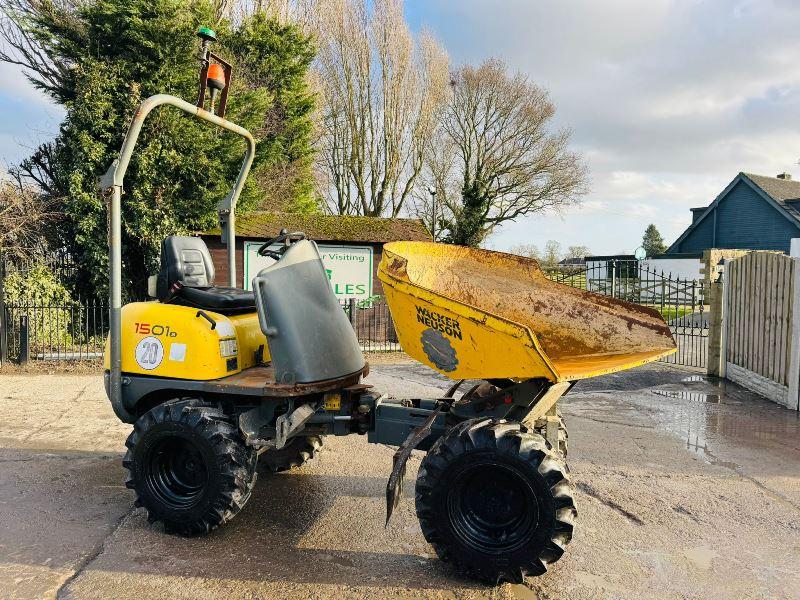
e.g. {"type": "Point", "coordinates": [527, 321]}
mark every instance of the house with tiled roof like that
{"type": "Point", "coordinates": [350, 246]}
{"type": "Point", "coordinates": [753, 212]}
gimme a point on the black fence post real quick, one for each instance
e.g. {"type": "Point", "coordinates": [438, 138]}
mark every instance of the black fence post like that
{"type": "Point", "coordinates": [24, 340]}
{"type": "Point", "coordinates": [613, 277]}
{"type": "Point", "coordinates": [3, 320]}
{"type": "Point", "coordinates": [352, 313]}
{"type": "Point", "coordinates": [391, 333]}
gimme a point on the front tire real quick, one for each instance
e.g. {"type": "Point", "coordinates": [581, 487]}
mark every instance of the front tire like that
{"type": "Point", "coordinates": [189, 466]}
{"type": "Point", "coordinates": [495, 501]}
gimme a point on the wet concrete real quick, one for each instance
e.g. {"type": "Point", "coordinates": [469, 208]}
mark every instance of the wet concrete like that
{"type": "Point", "coordinates": [678, 497]}
{"type": "Point", "coordinates": [740, 420]}
{"type": "Point", "coordinates": [725, 425]}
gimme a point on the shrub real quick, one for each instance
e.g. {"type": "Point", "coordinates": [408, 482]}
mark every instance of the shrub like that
{"type": "Point", "coordinates": [55, 318]}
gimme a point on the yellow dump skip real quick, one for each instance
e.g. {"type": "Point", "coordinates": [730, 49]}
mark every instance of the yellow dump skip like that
{"type": "Point", "coordinates": [476, 314]}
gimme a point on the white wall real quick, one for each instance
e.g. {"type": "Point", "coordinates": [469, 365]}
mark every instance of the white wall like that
{"type": "Point", "coordinates": [596, 268]}
{"type": "Point", "coordinates": [684, 268]}
{"type": "Point", "coordinates": [650, 286]}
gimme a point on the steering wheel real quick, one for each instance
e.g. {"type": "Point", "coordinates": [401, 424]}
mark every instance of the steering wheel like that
{"type": "Point", "coordinates": [284, 236]}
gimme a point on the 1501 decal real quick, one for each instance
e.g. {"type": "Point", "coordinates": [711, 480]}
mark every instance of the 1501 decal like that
{"type": "Point", "coordinates": [158, 330]}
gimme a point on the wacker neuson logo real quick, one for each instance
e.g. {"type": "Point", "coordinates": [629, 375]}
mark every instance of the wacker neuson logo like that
{"type": "Point", "coordinates": [439, 322]}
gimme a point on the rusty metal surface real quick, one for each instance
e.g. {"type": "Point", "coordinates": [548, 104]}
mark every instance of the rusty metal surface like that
{"type": "Point", "coordinates": [260, 381]}
{"type": "Point", "coordinates": [577, 333]}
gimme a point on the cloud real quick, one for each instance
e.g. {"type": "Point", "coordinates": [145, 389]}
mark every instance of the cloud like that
{"type": "Point", "coordinates": [667, 99]}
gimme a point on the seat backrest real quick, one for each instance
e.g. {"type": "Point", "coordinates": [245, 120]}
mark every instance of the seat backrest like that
{"type": "Point", "coordinates": [309, 335]}
{"type": "Point", "coordinates": [186, 260]}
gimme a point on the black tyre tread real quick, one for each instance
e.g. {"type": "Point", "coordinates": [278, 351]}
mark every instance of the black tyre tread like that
{"type": "Point", "coordinates": [238, 462]}
{"type": "Point", "coordinates": [296, 453]}
{"type": "Point", "coordinates": [508, 438]}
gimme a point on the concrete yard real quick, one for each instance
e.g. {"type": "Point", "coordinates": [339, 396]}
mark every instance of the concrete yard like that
{"type": "Point", "coordinates": [686, 489]}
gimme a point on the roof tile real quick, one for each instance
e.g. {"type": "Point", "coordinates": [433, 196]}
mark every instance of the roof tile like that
{"type": "Point", "coordinates": [785, 192]}
{"type": "Point", "coordinates": [330, 228]}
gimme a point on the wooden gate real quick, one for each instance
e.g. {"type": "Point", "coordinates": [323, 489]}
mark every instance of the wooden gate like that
{"type": "Point", "coordinates": [757, 344]}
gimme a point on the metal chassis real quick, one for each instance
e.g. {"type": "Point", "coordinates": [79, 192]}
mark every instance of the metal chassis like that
{"type": "Point", "coordinates": [362, 410]}
{"type": "Point", "coordinates": [525, 402]}
{"type": "Point", "coordinates": [269, 422]}
{"type": "Point", "coordinates": [409, 424]}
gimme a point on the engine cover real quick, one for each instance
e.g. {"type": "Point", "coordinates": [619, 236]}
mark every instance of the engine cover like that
{"type": "Point", "coordinates": [310, 337]}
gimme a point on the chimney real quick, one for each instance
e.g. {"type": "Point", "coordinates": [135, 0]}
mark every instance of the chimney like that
{"type": "Point", "coordinates": [697, 213]}
{"type": "Point", "coordinates": [786, 176]}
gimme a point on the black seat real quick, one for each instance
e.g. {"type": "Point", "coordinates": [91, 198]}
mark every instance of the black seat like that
{"type": "Point", "coordinates": [187, 261]}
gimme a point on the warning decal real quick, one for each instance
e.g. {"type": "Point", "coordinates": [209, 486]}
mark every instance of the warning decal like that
{"type": "Point", "coordinates": [149, 353]}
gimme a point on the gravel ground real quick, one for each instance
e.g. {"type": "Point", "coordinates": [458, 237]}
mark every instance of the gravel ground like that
{"type": "Point", "coordinates": [685, 489]}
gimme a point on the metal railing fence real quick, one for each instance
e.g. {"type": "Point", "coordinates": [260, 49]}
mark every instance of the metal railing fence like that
{"type": "Point", "coordinates": [75, 331]}
{"type": "Point", "coordinates": [373, 324]}
{"type": "Point", "coordinates": [681, 301]}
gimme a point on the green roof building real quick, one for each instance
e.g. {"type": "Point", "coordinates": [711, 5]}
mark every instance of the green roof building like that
{"type": "Point", "coordinates": [350, 246]}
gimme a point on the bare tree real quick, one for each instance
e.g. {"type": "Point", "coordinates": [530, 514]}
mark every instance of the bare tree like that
{"type": "Point", "coordinates": [24, 217]}
{"type": "Point", "coordinates": [529, 250]}
{"type": "Point", "coordinates": [298, 12]}
{"type": "Point", "coordinates": [381, 92]}
{"type": "Point", "coordinates": [439, 186]}
{"type": "Point", "coordinates": [35, 54]}
{"type": "Point", "coordinates": [506, 158]}
{"type": "Point", "coordinates": [577, 251]}
{"type": "Point", "coordinates": [552, 254]}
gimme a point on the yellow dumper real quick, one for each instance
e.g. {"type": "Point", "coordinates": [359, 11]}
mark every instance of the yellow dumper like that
{"type": "Point", "coordinates": [498, 467]}
{"type": "Point", "coordinates": [476, 314]}
{"type": "Point", "coordinates": [215, 379]}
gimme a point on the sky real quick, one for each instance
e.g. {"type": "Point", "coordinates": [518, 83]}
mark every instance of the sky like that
{"type": "Point", "coordinates": [27, 117]}
{"type": "Point", "coordinates": [667, 100]}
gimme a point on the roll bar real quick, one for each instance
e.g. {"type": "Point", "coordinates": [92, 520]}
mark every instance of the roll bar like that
{"type": "Point", "coordinates": [111, 187]}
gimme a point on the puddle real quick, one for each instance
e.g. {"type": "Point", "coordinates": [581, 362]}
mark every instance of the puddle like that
{"type": "Point", "coordinates": [710, 414]}
{"type": "Point", "coordinates": [717, 421]}
{"type": "Point", "coordinates": [691, 396]}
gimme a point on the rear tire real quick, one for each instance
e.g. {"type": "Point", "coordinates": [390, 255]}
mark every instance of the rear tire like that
{"type": "Point", "coordinates": [296, 453]}
{"type": "Point", "coordinates": [494, 500]}
{"type": "Point", "coordinates": [189, 466]}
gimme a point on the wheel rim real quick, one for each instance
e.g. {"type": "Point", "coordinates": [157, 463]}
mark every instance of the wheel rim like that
{"type": "Point", "coordinates": [492, 507]}
{"type": "Point", "coordinates": [176, 472]}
